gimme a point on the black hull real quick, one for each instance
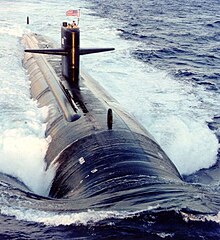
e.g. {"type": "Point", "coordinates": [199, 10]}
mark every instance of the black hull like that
{"type": "Point", "coordinates": [100, 165]}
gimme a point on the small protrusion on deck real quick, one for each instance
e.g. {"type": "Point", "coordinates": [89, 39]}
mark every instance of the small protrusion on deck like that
{"type": "Point", "coordinates": [109, 118]}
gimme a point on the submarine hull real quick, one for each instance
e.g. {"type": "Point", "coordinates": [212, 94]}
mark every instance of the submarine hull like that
{"type": "Point", "coordinates": [90, 138]}
{"type": "Point", "coordinates": [102, 160]}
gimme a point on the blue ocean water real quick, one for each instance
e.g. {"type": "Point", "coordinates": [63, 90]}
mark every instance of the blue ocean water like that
{"type": "Point", "coordinates": [165, 71]}
{"type": "Point", "coordinates": [179, 36]}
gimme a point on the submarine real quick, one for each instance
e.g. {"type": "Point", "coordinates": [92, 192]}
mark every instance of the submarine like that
{"type": "Point", "coordinates": [104, 158]}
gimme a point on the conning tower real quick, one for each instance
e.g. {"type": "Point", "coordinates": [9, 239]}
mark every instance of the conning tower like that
{"type": "Point", "coordinates": [70, 51]}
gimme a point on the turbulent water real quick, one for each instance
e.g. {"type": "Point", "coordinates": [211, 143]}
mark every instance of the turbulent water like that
{"type": "Point", "coordinates": [164, 71]}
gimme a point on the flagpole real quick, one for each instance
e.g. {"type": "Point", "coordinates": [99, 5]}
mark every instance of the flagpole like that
{"type": "Point", "coordinates": [78, 18]}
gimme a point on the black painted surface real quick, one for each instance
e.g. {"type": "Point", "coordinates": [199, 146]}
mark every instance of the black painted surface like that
{"type": "Point", "coordinates": [100, 167]}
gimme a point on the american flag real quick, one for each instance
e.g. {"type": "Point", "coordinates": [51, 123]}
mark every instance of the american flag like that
{"type": "Point", "coordinates": [74, 13]}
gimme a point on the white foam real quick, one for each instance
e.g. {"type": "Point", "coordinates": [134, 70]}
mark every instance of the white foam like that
{"type": "Point", "coordinates": [88, 217]}
{"type": "Point", "coordinates": [215, 218]}
{"type": "Point", "coordinates": [22, 124]}
{"type": "Point", "coordinates": [15, 31]}
{"type": "Point", "coordinates": [190, 217]}
{"type": "Point", "coordinates": [23, 147]}
{"type": "Point", "coordinates": [21, 155]}
{"type": "Point", "coordinates": [56, 219]}
{"type": "Point", "coordinates": [189, 144]}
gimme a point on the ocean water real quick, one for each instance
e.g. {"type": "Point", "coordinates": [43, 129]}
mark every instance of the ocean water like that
{"type": "Point", "coordinates": [164, 71]}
